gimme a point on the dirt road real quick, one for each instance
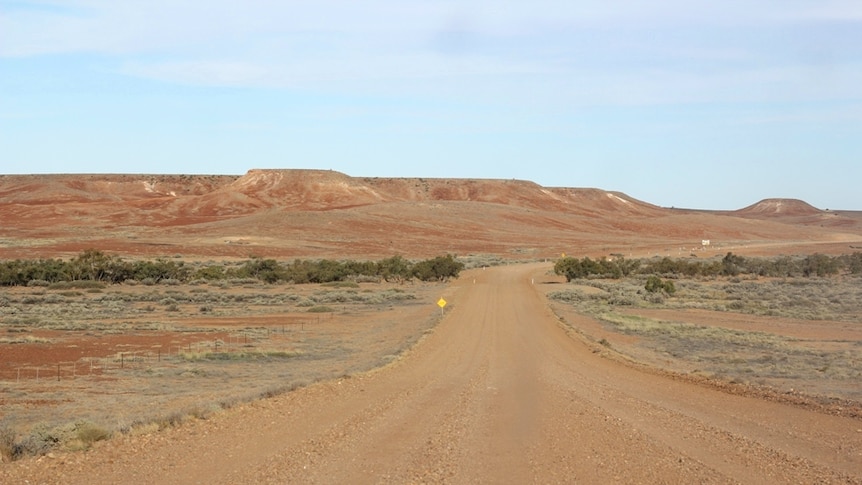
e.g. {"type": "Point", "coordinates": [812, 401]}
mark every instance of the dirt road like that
{"type": "Point", "coordinates": [498, 393]}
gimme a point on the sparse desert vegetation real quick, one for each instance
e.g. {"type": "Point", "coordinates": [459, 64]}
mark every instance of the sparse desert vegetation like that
{"type": "Point", "coordinates": [797, 333]}
{"type": "Point", "coordinates": [86, 359]}
{"type": "Point", "coordinates": [130, 305]}
{"type": "Point", "coordinates": [88, 355]}
{"type": "Point", "coordinates": [92, 269]}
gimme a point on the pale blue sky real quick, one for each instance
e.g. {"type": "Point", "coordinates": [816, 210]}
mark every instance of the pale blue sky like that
{"type": "Point", "coordinates": [686, 103]}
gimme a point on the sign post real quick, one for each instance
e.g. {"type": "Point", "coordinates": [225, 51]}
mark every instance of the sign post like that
{"type": "Point", "coordinates": [441, 303]}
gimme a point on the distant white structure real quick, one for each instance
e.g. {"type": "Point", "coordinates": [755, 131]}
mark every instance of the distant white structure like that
{"type": "Point", "coordinates": [704, 243]}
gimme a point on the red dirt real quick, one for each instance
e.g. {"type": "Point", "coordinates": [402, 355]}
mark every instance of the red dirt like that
{"type": "Point", "coordinates": [314, 213]}
{"type": "Point", "coordinates": [498, 393]}
{"type": "Point", "coordinates": [74, 350]}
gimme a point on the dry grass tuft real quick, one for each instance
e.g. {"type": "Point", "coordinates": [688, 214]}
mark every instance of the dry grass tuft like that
{"type": "Point", "coordinates": [738, 355]}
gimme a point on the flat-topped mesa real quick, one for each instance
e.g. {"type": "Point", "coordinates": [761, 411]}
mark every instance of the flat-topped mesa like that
{"type": "Point", "coordinates": [497, 191]}
{"type": "Point", "coordinates": [603, 201]}
{"type": "Point", "coordinates": [325, 213]}
{"type": "Point", "coordinates": [48, 189]}
{"type": "Point", "coordinates": [299, 190]}
{"type": "Point", "coordinates": [510, 192]}
{"type": "Point", "coordinates": [327, 189]}
{"type": "Point", "coordinates": [779, 207]}
{"type": "Point", "coordinates": [208, 196]}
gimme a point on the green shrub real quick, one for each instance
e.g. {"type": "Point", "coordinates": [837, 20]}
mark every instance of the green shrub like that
{"type": "Point", "coordinates": [573, 268]}
{"type": "Point", "coordinates": [654, 284]}
{"type": "Point", "coordinates": [440, 268]}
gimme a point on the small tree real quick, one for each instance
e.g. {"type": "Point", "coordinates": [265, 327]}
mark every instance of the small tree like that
{"type": "Point", "coordinates": [440, 268]}
{"type": "Point", "coordinates": [819, 265]}
{"type": "Point", "coordinates": [267, 270]}
{"type": "Point", "coordinates": [654, 284]}
{"type": "Point", "coordinates": [395, 269]}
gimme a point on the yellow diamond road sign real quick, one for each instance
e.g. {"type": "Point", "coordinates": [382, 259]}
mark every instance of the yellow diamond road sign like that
{"type": "Point", "coordinates": [441, 303]}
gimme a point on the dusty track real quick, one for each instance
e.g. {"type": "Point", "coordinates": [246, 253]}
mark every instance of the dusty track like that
{"type": "Point", "coordinates": [499, 393]}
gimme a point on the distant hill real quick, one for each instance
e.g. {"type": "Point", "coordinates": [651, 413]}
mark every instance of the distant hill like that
{"type": "Point", "coordinates": [321, 213]}
{"type": "Point", "coordinates": [780, 207]}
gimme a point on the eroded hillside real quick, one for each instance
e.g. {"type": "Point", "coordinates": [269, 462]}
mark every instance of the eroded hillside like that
{"type": "Point", "coordinates": [319, 213]}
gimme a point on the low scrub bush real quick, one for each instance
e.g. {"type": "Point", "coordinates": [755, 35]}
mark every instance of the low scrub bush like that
{"type": "Point", "coordinates": [320, 309]}
{"type": "Point", "coordinates": [76, 284]}
{"type": "Point", "coordinates": [39, 442]}
{"type": "Point", "coordinates": [55, 298]}
{"type": "Point", "coordinates": [341, 284]}
{"type": "Point", "coordinates": [84, 434]}
{"type": "Point", "coordinates": [654, 284]}
{"type": "Point", "coordinates": [98, 268]}
{"type": "Point", "coordinates": [731, 265]}
{"type": "Point", "coordinates": [7, 443]}
{"type": "Point", "coordinates": [567, 295]}
{"type": "Point", "coordinates": [252, 355]}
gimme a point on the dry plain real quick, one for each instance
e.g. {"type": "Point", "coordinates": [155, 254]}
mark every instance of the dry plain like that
{"type": "Point", "coordinates": [519, 382]}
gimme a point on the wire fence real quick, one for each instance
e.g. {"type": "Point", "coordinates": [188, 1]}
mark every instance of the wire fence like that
{"type": "Point", "coordinates": [120, 358]}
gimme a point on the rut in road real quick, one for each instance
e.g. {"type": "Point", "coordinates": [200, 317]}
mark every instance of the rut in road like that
{"type": "Point", "coordinates": [498, 393]}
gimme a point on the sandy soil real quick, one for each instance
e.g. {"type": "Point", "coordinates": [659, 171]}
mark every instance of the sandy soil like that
{"type": "Point", "coordinates": [498, 393]}
{"type": "Point", "coordinates": [119, 367]}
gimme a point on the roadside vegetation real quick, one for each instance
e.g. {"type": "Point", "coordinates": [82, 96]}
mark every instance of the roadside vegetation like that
{"type": "Point", "coordinates": [98, 267]}
{"type": "Point", "coordinates": [179, 340]}
{"type": "Point", "coordinates": [616, 267]}
{"type": "Point", "coordinates": [647, 300]}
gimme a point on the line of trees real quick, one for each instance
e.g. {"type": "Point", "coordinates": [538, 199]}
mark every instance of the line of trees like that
{"type": "Point", "coordinates": [730, 265]}
{"type": "Point", "coordinates": [94, 265]}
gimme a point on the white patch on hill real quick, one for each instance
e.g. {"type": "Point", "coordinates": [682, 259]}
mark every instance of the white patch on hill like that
{"type": "Point", "coordinates": [612, 196]}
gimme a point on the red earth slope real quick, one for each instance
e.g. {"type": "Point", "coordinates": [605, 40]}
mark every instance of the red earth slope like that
{"type": "Point", "coordinates": [319, 213]}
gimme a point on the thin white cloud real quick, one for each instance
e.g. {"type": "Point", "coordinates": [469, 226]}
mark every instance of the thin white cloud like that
{"type": "Point", "coordinates": [108, 26]}
{"type": "Point", "coordinates": [202, 73]}
{"type": "Point", "coordinates": [633, 52]}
